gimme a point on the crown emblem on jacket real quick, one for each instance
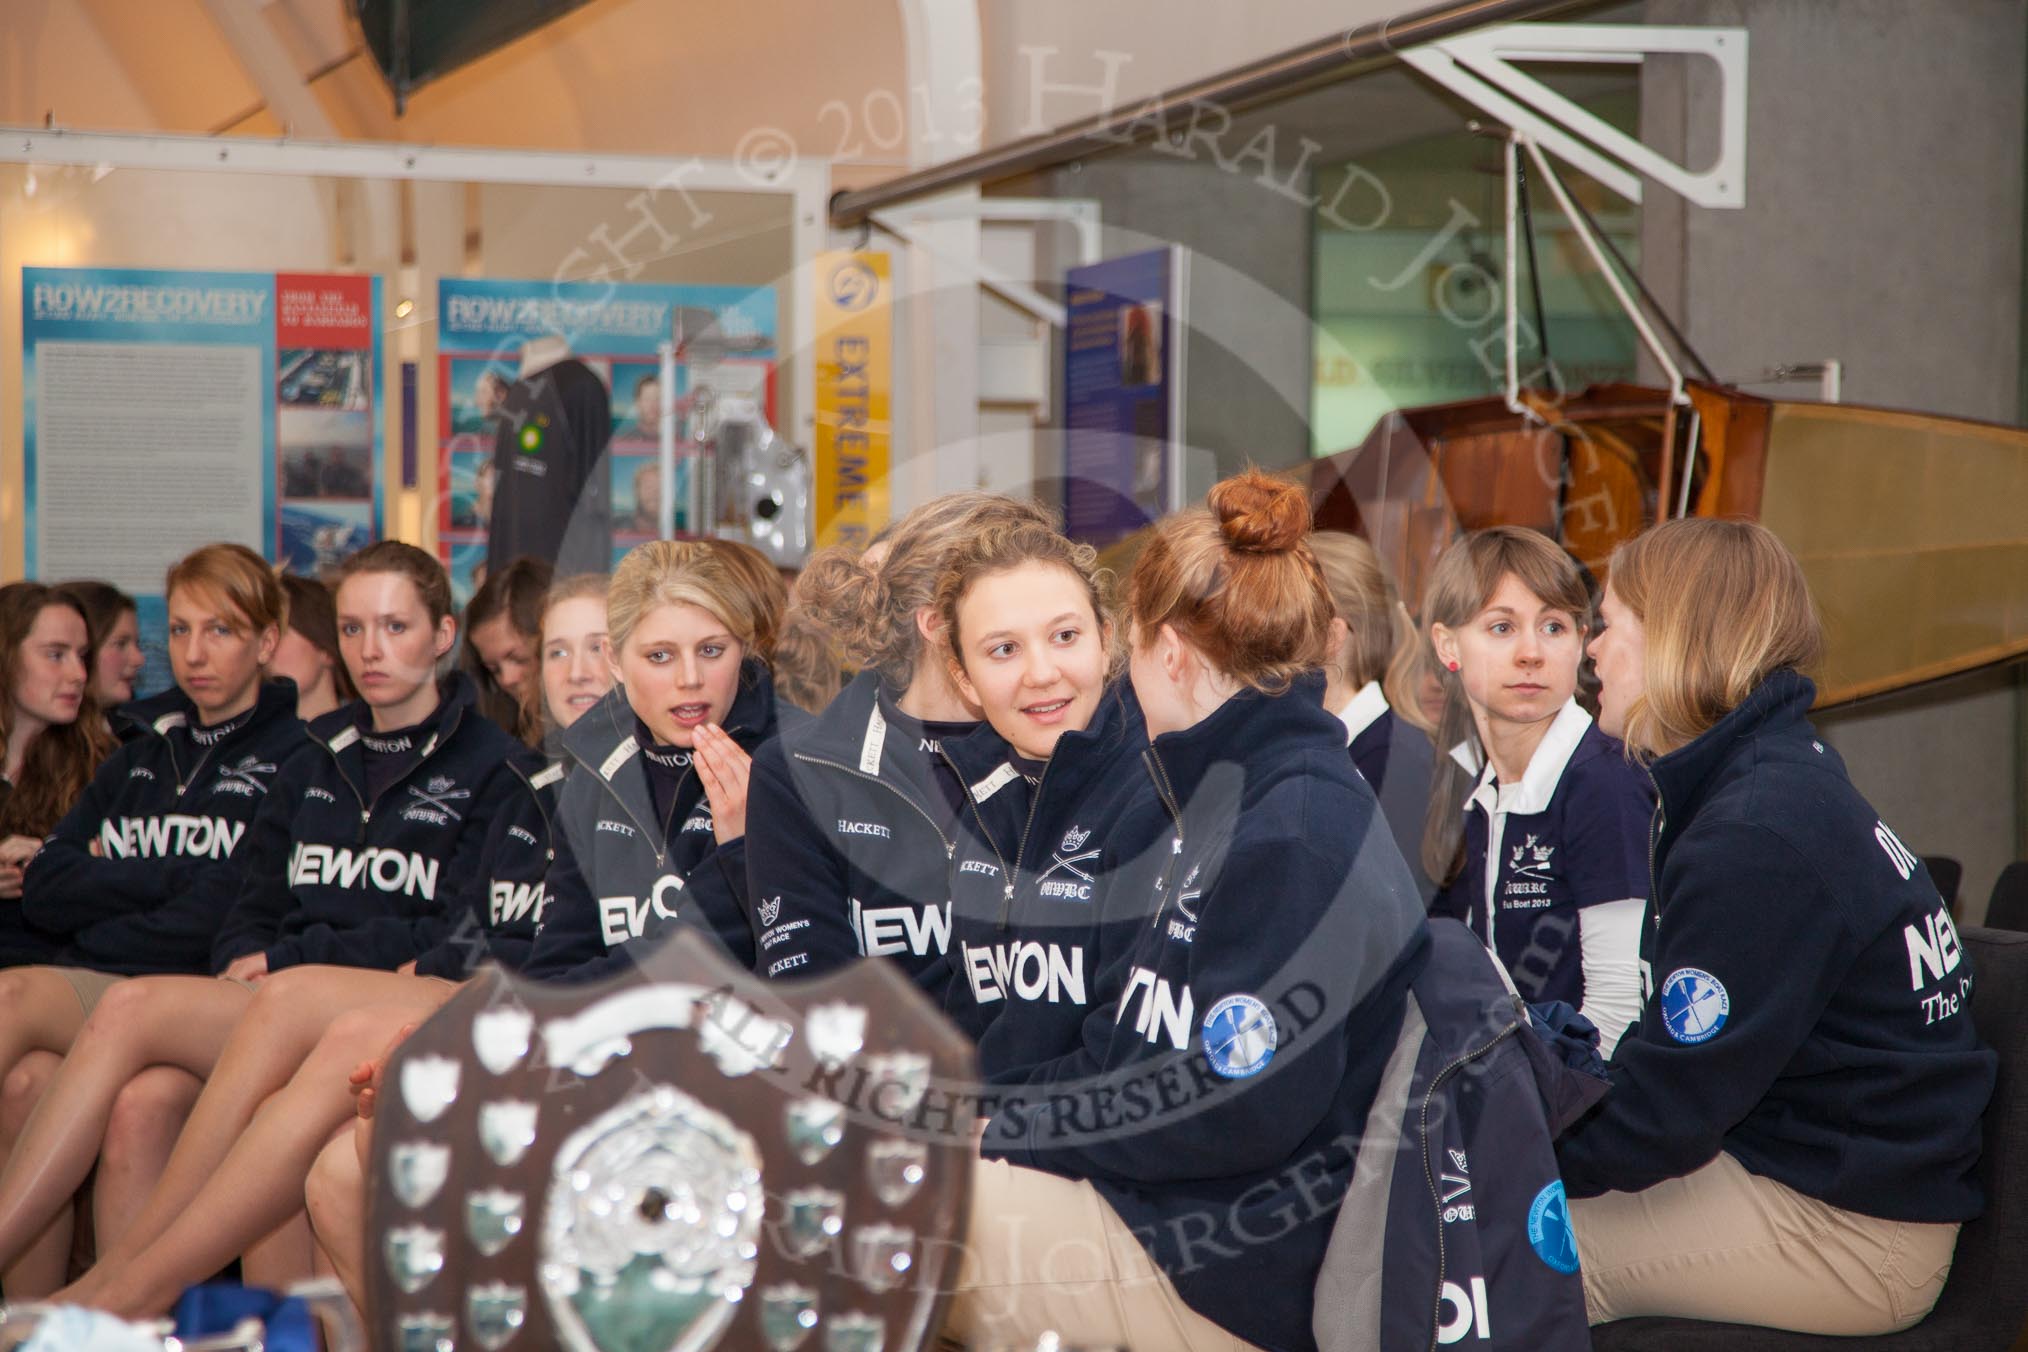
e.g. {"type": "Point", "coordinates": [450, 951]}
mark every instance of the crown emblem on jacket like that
{"type": "Point", "coordinates": [441, 783]}
{"type": "Point", "coordinates": [1074, 839]}
{"type": "Point", "coordinates": [771, 911]}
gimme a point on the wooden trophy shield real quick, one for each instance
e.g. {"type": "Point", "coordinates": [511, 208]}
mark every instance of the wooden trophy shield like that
{"type": "Point", "coordinates": [671, 1163]}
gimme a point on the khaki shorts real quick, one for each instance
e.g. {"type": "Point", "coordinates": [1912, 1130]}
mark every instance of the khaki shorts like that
{"type": "Point", "coordinates": [1725, 1244]}
{"type": "Point", "coordinates": [1048, 1254]}
{"type": "Point", "coordinates": [91, 987]}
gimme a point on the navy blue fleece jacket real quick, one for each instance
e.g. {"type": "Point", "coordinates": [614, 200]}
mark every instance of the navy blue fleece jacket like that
{"type": "Point", "coordinates": [853, 822]}
{"type": "Point", "coordinates": [1217, 1098]}
{"type": "Point", "coordinates": [1028, 888]}
{"type": "Point", "coordinates": [168, 812]}
{"type": "Point", "coordinates": [356, 881]}
{"type": "Point", "coordinates": [622, 879]}
{"type": "Point", "coordinates": [1807, 1007]}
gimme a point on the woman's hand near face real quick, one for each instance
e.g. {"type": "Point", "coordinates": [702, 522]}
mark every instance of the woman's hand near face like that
{"type": "Point", "coordinates": [724, 768]}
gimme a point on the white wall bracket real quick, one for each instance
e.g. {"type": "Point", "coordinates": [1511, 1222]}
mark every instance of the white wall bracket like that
{"type": "Point", "coordinates": [1479, 68]}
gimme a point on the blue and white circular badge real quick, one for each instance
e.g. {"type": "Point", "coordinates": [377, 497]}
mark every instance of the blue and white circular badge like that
{"type": "Point", "coordinates": [1239, 1036]}
{"type": "Point", "coordinates": [1549, 1232]}
{"type": "Point", "coordinates": [1694, 1005]}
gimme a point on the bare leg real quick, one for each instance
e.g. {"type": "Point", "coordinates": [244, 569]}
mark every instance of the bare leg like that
{"type": "Point", "coordinates": [157, 1020]}
{"type": "Point", "coordinates": [40, 1270]}
{"type": "Point", "coordinates": [260, 1183]}
{"type": "Point", "coordinates": [146, 1116]}
{"type": "Point", "coordinates": [337, 1196]}
{"type": "Point", "coordinates": [39, 1011]}
{"type": "Point", "coordinates": [290, 1011]}
{"type": "Point", "coordinates": [283, 1258]}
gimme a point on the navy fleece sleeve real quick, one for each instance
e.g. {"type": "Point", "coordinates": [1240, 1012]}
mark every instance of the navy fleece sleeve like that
{"type": "Point", "coordinates": [1177, 1118]}
{"type": "Point", "coordinates": [68, 888]}
{"type": "Point", "coordinates": [264, 897]}
{"type": "Point", "coordinates": [569, 946]}
{"type": "Point", "coordinates": [500, 916]}
{"type": "Point", "coordinates": [793, 875]}
{"type": "Point", "coordinates": [1776, 947]}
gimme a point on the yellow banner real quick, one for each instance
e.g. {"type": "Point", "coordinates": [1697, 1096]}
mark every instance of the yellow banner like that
{"type": "Point", "coordinates": [855, 394]}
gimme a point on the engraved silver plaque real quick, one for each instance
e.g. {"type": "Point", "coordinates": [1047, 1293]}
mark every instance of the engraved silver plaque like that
{"type": "Point", "coordinates": [493, 1218]}
{"type": "Point", "coordinates": [500, 1036]}
{"type": "Point", "coordinates": [855, 1332]}
{"type": "Point", "coordinates": [506, 1130]}
{"type": "Point", "coordinates": [815, 1126]}
{"type": "Point", "coordinates": [882, 1255]}
{"type": "Point", "coordinates": [495, 1313]}
{"type": "Point", "coordinates": [426, 1332]}
{"type": "Point", "coordinates": [429, 1086]}
{"type": "Point", "coordinates": [739, 1037]}
{"type": "Point", "coordinates": [896, 1169]}
{"type": "Point", "coordinates": [814, 1217]}
{"type": "Point", "coordinates": [788, 1313]}
{"type": "Point", "coordinates": [898, 1082]}
{"type": "Point", "coordinates": [416, 1171]}
{"type": "Point", "coordinates": [415, 1255]}
{"type": "Point", "coordinates": [837, 1033]}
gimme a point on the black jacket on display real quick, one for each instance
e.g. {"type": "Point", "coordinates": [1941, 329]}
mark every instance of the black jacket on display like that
{"type": "Point", "coordinates": [622, 881]}
{"type": "Point", "coordinates": [1218, 1101]}
{"type": "Point", "coordinates": [1807, 1007]}
{"type": "Point", "coordinates": [168, 812]}
{"type": "Point", "coordinates": [552, 494]}
{"type": "Point", "coordinates": [854, 824]}
{"type": "Point", "coordinates": [338, 878]}
{"type": "Point", "coordinates": [1029, 889]}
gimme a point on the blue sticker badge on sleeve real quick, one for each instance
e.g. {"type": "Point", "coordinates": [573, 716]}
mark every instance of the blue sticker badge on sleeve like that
{"type": "Point", "coordinates": [1239, 1036]}
{"type": "Point", "coordinates": [1549, 1232]}
{"type": "Point", "coordinates": [1694, 1005]}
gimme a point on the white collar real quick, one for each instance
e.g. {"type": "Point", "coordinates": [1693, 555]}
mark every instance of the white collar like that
{"type": "Point", "coordinates": [1362, 710]}
{"type": "Point", "coordinates": [1545, 767]}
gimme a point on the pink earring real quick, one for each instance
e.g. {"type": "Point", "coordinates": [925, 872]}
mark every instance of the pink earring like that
{"type": "Point", "coordinates": [1452, 665]}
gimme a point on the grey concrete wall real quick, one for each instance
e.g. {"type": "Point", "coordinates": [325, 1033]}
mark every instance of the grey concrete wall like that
{"type": "Point", "coordinates": [1883, 227]}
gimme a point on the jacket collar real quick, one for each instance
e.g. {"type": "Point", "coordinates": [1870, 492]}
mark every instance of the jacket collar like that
{"type": "Point", "coordinates": [855, 728]}
{"type": "Point", "coordinates": [1779, 703]}
{"type": "Point", "coordinates": [1250, 728]}
{"type": "Point", "coordinates": [983, 758]}
{"type": "Point", "coordinates": [1545, 768]}
{"type": "Point", "coordinates": [164, 713]}
{"type": "Point", "coordinates": [1363, 710]}
{"type": "Point", "coordinates": [604, 742]}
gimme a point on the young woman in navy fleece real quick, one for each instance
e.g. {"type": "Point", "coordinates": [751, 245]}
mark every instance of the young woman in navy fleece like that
{"type": "Point", "coordinates": [364, 853]}
{"type": "Point", "coordinates": [856, 814]}
{"type": "Point", "coordinates": [654, 815]}
{"type": "Point", "coordinates": [1792, 1127]}
{"type": "Point", "coordinates": [238, 1173]}
{"type": "Point", "coordinates": [1372, 635]}
{"type": "Point", "coordinates": [1176, 1185]}
{"type": "Point", "coordinates": [138, 876]}
{"type": "Point", "coordinates": [1549, 866]}
{"type": "Point", "coordinates": [1031, 644]}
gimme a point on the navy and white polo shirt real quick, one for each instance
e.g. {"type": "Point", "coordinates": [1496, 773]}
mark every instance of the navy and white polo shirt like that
{"type": "Point", "coordinates": [1555, 879]}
